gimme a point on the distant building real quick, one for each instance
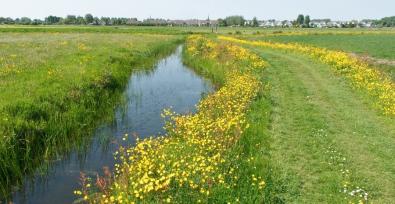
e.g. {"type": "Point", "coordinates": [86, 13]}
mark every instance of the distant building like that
{"type": "Point", "coordinates": [192, 22]}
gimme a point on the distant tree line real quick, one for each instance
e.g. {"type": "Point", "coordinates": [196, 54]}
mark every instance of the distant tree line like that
{"type": "Point", "coordinates": [235, 20]}
{"type": "Point", "coordinates": [232, 21]}
{"type": "Point", "coordinates": [21, 21]}
{"type": "Point", "coordinates": [386, 22]}
{"type": "Point", "coordinates": [88, 19]}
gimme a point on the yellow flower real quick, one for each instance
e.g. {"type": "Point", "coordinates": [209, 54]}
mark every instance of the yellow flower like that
{"type": "Point", "coordinates": [359, 73]}
{"type": "Point", "coordinates": [194, 151]}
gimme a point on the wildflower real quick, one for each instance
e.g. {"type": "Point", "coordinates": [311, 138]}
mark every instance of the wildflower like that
{"type": "Point", "coordinates": [359, 73]}
{"type": "Point", "coordinates": [196, 148]}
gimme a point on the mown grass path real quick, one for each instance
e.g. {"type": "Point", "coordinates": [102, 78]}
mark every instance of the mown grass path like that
{"type": "Point", "coordinates": [325, 138]}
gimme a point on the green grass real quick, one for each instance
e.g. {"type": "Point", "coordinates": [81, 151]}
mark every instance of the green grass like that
{"type": "Point", "coordinates": [283, 31]}
{"type": "Point", "coordinates": [55, 87]}
{"type": "Point", "coordinates": [320, 128]}
{"type": "Point", "coordinates": [163, 30]}
{"type": "Point", "coordinates": [314, 139]}
{"type": "Point", "coordinates": [378, 45]}
{"type": "Point", "coordinates": [186, 30]}
{"type": "Point", "coordinates": [375, 45]}
{"type": "Point", "coordinates": [251, 146]}
{"type": "Point", "coordinates": [310, 132]}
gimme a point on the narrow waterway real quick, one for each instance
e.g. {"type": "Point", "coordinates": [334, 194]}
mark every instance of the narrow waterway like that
{"type": "Point", "coordinates": [169, 84]}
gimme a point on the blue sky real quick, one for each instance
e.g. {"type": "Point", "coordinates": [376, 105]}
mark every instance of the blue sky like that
{"type": "Point", "coordinates": [185, 9]}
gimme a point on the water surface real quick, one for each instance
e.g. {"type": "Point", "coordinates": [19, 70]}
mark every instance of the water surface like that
{"type": "Point", "coordinates": [169, 84]}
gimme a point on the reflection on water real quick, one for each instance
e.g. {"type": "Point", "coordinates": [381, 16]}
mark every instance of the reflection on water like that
{"type": "Point", "coordinates": [170, 84]}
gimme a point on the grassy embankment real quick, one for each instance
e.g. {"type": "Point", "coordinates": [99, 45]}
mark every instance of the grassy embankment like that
{"type": "Point", "coordinates": [204, 157]}
{"type": "Point", "coordinates": [55, 87]}
{"type": "Point", "coordinates": [375, 47]}
{"type": "Point", "coordinates": [327, 145]}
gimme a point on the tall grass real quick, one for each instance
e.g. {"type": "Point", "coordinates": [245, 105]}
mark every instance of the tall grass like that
{"type": "Point", "coordinates": [201, 158]}
{"type": "Point", "coordinates": [253, 146]}
{"type": "Point", "coordinates": [59, 114]}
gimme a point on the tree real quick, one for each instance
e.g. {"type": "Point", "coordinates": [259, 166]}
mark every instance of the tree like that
{"type": "Point", "coordinates": [9, 20]}
{"type": "Point", "coordinates": [52, 20]}
{"type": "Point", "coordinates": [307, 21]}
{"type": "Point", "coordinates": [221, 22]}
{"type": "Point", "coordinates": [89, 18]}
{"type": "Point", "coordinates": [105, 20]}
{"type": "Point", "coordinates": [80, 20]}
{"type": "Point", "coordinates": [70, 19]}
{"type": "Point", "coordinates": [96, 21]}
{"type": "Point", "coordinates": [235, 20]}
{"type": "Point", "coordinates": [116, 21]}
{"type": "Point", "coordinates": [255, 22]}
{"type": "Point", "coordinates": [386, 22]}
{"type": "Point", "coordinates": [37, 22]}
{"type": "Point", "coordinates": [300, 20]}
{"type": "Point", "coordinates": [25, 21]}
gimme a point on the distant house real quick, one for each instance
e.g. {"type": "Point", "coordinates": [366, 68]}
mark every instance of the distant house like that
{"type": "Point", "coordinates": [286, 24]}
{"type": "Point", "coordinates": [318, 23]}
{"type": "Point", "coordinates": [267, 23]}
{"type": "Point", "coordinates": [192, 22]}
{"type": "Point", "coordinates": [248, 22]}
{"type": "Point", "coordinates": [334, 24]}
{"type": "Point", "coordinates": [366, 24]}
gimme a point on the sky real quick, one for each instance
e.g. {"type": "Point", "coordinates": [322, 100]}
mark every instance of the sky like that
{"type": "Point", "coordinates": [201, 9]}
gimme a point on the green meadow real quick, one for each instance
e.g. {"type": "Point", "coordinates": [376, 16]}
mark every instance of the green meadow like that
{"type": "Point", "coordinates": [55, 87]}
{"type": "Point", "coordinates": [375, 48]}
{"type": "Point", "coordinates": [312, 135]}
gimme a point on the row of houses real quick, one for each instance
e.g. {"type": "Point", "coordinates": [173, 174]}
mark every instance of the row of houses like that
{"type": "Point", "coordinates": [315, 23]}
{"type": "Point", "coordinates": [189, 22]}
{"type": "Point", "coordinates": [324, 23]}
{"type": "Point", "coordinates": [193, 22]}
{"type": "Point", "coordinates": [341, 24]}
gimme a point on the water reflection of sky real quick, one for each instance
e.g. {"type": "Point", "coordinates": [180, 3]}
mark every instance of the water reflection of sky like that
{"type": "Point", "coordinates": [170, 84]}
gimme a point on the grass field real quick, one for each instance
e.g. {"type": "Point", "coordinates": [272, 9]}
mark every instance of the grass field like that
{"type": "Point", "coordinates": [376, 48]}
{"type": "Point", "coordinates": [287, 124]}
{"type": "Point", "coordinates": [376, 45]}
{"type": "Point", "coordinates": [319, 127]}
{"type": "Point", "coordinates": [94, 29]}
{"type": "Point", "coordinates": [308, 130]}
{"type": "Point", "coordinates": [54, 87]}
{"type": "Point", "coordinates": [188, 30]}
